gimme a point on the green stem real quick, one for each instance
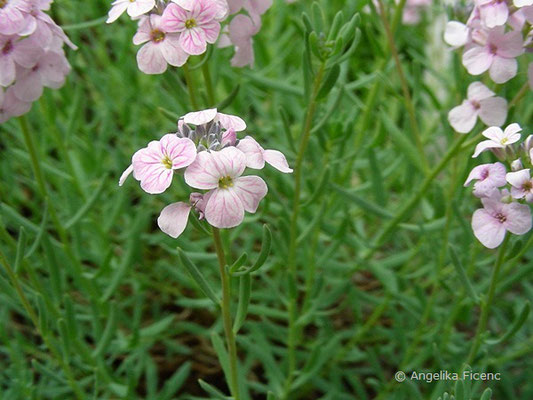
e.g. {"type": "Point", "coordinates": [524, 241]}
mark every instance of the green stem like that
{"type": "Point", "coordinates": [304, 140]}
{"type": "Point", "coordinates": [35, 320]}
{"type": "Point", "coordinates": [190, 86]}
{"type": "Point", "coordinates": [208, 84]}
{"type": "Point", "coordinates": [405, 88]}
{"type": "Point", "coordinates": [483, 319]}
{"type": "Point", "coordinates": [521, 93]}
{"type": "Point", "coordinates": [226, 314]}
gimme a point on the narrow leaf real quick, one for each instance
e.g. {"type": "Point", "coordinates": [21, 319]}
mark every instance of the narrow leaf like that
{"type": "Point", "coordinates": [198, 277]}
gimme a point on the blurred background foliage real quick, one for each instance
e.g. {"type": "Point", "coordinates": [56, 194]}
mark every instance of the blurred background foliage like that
{"type": "Point", "coordinates": [118, 317]}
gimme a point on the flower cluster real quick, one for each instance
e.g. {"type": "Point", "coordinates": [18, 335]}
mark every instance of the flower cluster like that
{"type": "Point", "coordinates": [31, 55]}
{"type": "Point", "coordinates": [503, 209]}
{"type": "Point", "coordinates": [171, 31]}
{"type": "Point", "coordinates": [206, 152]}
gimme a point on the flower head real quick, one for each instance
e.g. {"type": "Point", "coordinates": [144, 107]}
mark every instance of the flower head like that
{"type": "Point", "coordinates": [498, 139]}
{"type": "Point", "coordinates": [522, 185]}
{"type": "Point", "coordinates": [162, 47]}
{"type": "Point", "coordinates": [491, 222]}
{"type": "Point", "coordinates": [154, 165]}
{"type": "Point", "coordinates": [197, 25]}
{"type": "Point", "coordinates": [230, 194]}
{"type": "Point", "coordinates": [488, 177]}
{"type": "Point", "coordinates": [481, 102]}
{"type": "Point", "coordinates": [496, 53]}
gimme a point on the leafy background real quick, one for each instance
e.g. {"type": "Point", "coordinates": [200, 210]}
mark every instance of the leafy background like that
{"type": "Point", "coordinates": [118, 317]}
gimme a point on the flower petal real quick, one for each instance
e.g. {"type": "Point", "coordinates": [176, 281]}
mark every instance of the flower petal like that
{"type": "Point", "coordinates": [488, 230]}
{"type": "Point", "coordinates": [125, 175]}
{"type": "Point", "coordinates": [193, 41]}
{"type": "Point", "coordinates": [485, 145]}
{"type": "Point", "coordinates": [150, 60]}
{"type": "Point", "coordinates": [117, 10]}
{"type": "Point", "coordinates": [493, 111]}
{"type": "Point", "coordinates": [251, 190]}
{"type": "Point", "coordinates": [277, 160]}
{"type": "Point", "coordinates": [181, 151]}
{"type": "Point", "coordinates": [477, 60]}
{"type": "Point", "coordinates": [224, 209]}
{"type": "Point", "coordinates": [231, 122]}
{"type": "Point", "coordinates": [456, 34]}
{"type": "Point", "coordinates": [478, 91]}
{"type": "Point", "coordinates": [200, 117]}
{"type": "Point", "coordinates": [173, 219]}
{"type": "Point", "coordinates": [253, 152]}
{"type": "Point", "coordinates": [503, 69]}
{"type": "Point", "coordinates": [230, 162]}
{"type": "Point", "coordinates": [203, 172]}
{"type": "Point", "coordinates": [463, 117]}
{"type": "Point", "coordinates": [518, 218]}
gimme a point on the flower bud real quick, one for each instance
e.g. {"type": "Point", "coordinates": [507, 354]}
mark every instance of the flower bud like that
{"type": "Point", "coordinates": [516, 165]}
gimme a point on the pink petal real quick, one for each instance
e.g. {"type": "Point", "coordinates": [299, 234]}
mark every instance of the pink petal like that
{"type": "Point", "coordinates": [211, 31]}
{"type": "Point", "coordinates": [522, 3]}
{"type": "Point", "coordinates": [173, 219]}
{"type": "Point", "coordinates": [125, 175]}
{"type": "Point", "coordinates": [251, 190]}
{"type": "Point", "coordinates": [229, 138]}
{"type": "Point", "coordinates": [193, 41]}
{"type": "Point", "coordinates": [493, 111]}
{"type": "Point", "coordinates": [478, 91]}
{"type": "Point", "coordinates": [518, 218]}
{"type": "Point", "coordinates": [477, 60]}
{"type": "Point", "coordinates": [463, 118]}
{"type": "Point", "coordinates": [150, 59]}
{"type": "Point", "coordinates": [203, 172]}
{"type": "Point", "coordinates": [224, 209]}
{"type": "Point", "coordinates": [204, 11]}
{"type": "Point", "coordinates": [7, 71]}
{"type": "Point", "coordinates": [29, 87]}
{"type": "Point", "coordinates": [173, 18]}
{"type": "Point", "coordinates": [117, 10]}
{"type": "Point", "coordinates": [510, 44]}
{"type": "Point", "coordinates": [185, 4]}
{"type": "Point", "coordinates": [512, 130]}
{"type": "Point", "coordinates": [503, 69]}
{"type": "Point", "coordinates": [244, 55]}
{"type": "Point", "coordinates": [140, 7]}
{"type": "Point", "coordinates": [200, 117]}
{"type": "Point", "coordinates": [517, 179]}
{"type": "Point", "coordinates": [495, 14]}
{"type": "Point", "coordinates": [456, 34]}
{"type": "Point", "coordinates": [253, 152]}
{"type": "Point", "coordinates": [485, 145]}
{"type": "Point", "coordinates": [488, 230]}
{"type": "Point", "coordinates": [235, 5]}
{"type": "Point", "coordinates": [230, 162]}
{"type": "Point", "coordinates": [277, 160]}
{"type": "Point", "coordinates": [231, 122]}
{"type": "Point", "coordinates": [172, 51]}
{"type": "Point", "coordinates": [181, 151]}
{"type": "Point", "coordinates": [493, 133]}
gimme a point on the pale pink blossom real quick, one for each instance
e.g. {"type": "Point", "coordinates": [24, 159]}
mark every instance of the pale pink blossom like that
{"type": "Point", "coordinates": [44, 30]}
{"type": "Point", "coordinates": [11, 106]}
{"type": "Point", "coordinates": [493, 12]}
{"type": "Point", "coordinates": [521, 184]}
{"type": "Point", "coordinates": [256, 156]}
{"type": "Point", "coordinates": [221, 5]}
{"type": "Point", "coordinates": [481, 102]}
{"type": "Point", "coordinates": [498, 139]}
{"type": "Point", "coordinates": [161, 48]}
{"type": "Point", "coordinates": [491, 223]}
{"type": "Point", "coordinates": [205, 116]}
{"type": "Point", "coordinates": [240, 32]}
{"type": "Point", "coordinates": [155, 164]}
{"type": "Point", "coordinates": [134, 8]}
{"type": "Point", "coordinates": [50, 71]}
{"type": "Point", "coordinates": [488, 177]}
{"type": "Point", "coordinates": [230, 194]}
{"type": "Point", "coordinates": [197, 26]}
{"type": "Point", "coordinates": [13, 16]}
{"type": "Point", "coordinates": [13, 52]}
{"type": "Point", "coordinates": [496, 53]}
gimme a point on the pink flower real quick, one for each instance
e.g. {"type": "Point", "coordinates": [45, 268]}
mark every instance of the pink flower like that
{"type": "Point", "coordinates": [241, 30]}
{"type": "Point", "coordinates": [155, 164]}
{"type": "Point", "coordinates": [13, 52]}
{"type": "Point", "coordinates": [522, 185]}
{"type": "Point", "coordinates": [13, 16]}
{"type": "Point", "coordinates": [498, 139]}
{"type": "Point", "coordinates": [496, 54]}
{"type": "Point", "coordinates": [197, 26]}
{"type": "Point", "coordinates": [230, 194]}
{"type": "Point", "coordinates": [256, 156]}
{"type": "Point", "coordinates": [11, 106]}
{"type": "Point", "coordinates": [205, 116]}
{"type": "Point", "coordinates": [488, 176]}
{"type": "Point", "coordinates": [134, 8]}
{"type": "Point", "coordinates": [221, 5]}
{"type": "Point", "coordinates": [481, 102]}
{"type": "Point", "coordinates": [493, 12]}
{"type": "Point", "coordinates": [161, 48]}
{"type": "Point", "coordinates": [491, 223]}
{"type": "Point", "coordinates": [50, 71]}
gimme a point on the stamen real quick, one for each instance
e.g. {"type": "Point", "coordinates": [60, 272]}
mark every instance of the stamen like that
{"type": "Point", "coordinates": [7, 47]}
{"type": "Point", "coordinates": [225, 182]}
{"type": "Point", "coordinates": [157, 36]}
{"type": "Point", "coordinates": [167, 162]}
{"type": "Point", "coordinates": [190, 23]}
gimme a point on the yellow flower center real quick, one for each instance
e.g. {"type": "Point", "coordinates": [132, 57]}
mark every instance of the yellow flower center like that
{"type": "Point", "coordinates": [504, 140]}
{"type": "Point", "coordinates": [225, 182]}
{"type": "Point", "coordinates": [527, 186]}
{"type": "Point", "coordinates": [190, 23]}
{"type": "Point", "coordinates": [157, 36]}
{"type": "Point", "coordinates": [167, 162]}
